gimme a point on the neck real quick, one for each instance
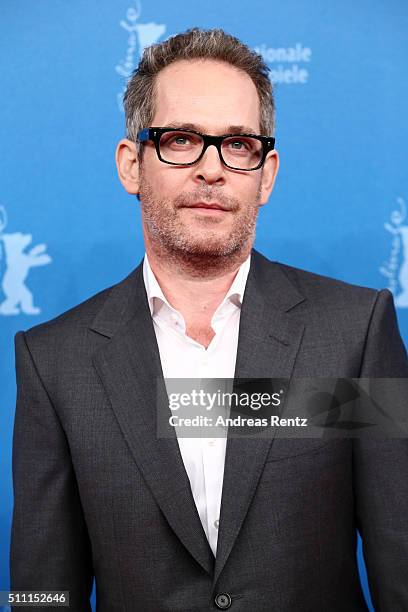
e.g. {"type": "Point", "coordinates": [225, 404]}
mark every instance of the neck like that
{"type": "Point", "coordinates": [195, 285]}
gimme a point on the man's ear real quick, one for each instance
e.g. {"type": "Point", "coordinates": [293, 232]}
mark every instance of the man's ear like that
{"type": "Point", "coordinates": [127, 164]}
{"type": "Point", "coordinates": [270, 170]}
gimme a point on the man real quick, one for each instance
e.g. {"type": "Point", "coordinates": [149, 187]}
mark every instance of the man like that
{"type": "Point", "coordinates": [173, 523]}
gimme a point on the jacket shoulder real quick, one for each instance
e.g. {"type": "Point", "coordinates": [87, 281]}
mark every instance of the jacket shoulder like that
{"type": "Point", "coordinates": [317, 287]}
{"type": "Point", "coordinates": [76, 321]}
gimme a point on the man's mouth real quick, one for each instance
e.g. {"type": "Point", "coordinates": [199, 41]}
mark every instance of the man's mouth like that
{"type": "Point", "coordinates": [207, 206]}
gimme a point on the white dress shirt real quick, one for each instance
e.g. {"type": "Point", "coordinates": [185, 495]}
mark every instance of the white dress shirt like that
{"type": "Point", "coordinates": [183, 357]}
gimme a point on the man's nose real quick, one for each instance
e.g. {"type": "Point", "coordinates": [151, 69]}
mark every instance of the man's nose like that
{"type": "Point", "coordinates": [210, 168]}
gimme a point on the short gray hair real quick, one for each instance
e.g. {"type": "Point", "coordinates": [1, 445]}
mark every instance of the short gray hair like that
{"type": "Point", "coordinates": [139, 98]}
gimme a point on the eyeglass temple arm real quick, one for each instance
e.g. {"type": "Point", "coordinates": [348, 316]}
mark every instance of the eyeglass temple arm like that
{"type": "Point", "coordinates": [143, 135]}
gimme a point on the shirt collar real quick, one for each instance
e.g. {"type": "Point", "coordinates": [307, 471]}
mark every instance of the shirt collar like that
{"type": "Point", "coordinates": [156, 297]}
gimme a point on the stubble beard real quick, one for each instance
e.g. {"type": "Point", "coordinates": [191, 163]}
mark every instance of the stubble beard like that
{"type": "Point", "coordinates": [200, 253]}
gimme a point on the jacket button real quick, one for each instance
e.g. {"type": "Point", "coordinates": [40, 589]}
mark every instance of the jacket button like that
{"type": "Point", "coordinates": [223, 601]}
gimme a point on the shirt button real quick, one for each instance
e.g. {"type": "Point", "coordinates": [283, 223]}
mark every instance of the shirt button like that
{"type": "Point", "coordinates": [223, 601]}
{"type": "Point", "coordinates": [217, 523]}
{"type": "Point", "coordinates": [212, 442]}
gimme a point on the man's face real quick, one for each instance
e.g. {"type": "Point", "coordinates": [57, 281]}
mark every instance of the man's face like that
{"type": "Point", "coordinates": [212, 98]}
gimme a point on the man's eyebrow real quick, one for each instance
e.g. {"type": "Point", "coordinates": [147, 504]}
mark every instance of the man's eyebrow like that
{"type": "Point", "coordinates": [240, 129]}
{"type": "Point", "coordinates": [230, 129]}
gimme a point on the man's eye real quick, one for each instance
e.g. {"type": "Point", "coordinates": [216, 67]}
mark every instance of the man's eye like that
{"type": "Point", "coordinates": [237, 144]}
{"type": "Point", "coordinates": [180, 140]}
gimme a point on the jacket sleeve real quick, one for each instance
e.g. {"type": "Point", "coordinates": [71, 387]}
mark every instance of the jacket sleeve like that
{"type": "Point", "coordinates": [50, 547]}
{"type": "Point", "coordinates": [381, 470]}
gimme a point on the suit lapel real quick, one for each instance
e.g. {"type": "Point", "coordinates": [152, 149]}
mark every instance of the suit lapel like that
{"type": "Point", "coordinates": [129, 367]}
{"type": "Point", "coordinates": [269, 340]}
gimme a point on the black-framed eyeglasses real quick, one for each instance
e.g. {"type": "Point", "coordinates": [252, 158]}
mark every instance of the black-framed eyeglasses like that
{"type": "Point", "coordinates": [182, 147]}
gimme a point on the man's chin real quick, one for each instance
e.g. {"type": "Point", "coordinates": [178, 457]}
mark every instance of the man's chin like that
{"type": "Point", "coordinates": [205, 248]}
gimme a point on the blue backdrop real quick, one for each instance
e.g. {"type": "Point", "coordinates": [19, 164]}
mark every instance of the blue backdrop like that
{"type": "Point", "coordinates": [67, 228]}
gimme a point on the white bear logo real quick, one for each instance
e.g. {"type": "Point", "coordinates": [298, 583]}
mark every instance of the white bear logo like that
{"type": "Point", "coordinates": [18, 298]}
{"type": "Point", "coordinates": [401, 300]}
{"type": "Point", "coordinates": [396, 268]}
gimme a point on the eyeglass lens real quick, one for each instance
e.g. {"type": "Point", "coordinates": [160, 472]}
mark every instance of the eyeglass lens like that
{"type": "Point", "coordinates": [241, 152]}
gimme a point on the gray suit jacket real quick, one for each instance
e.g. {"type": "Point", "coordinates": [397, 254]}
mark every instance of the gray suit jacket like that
{"type": "Point", "coordinates": [97, 494]}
